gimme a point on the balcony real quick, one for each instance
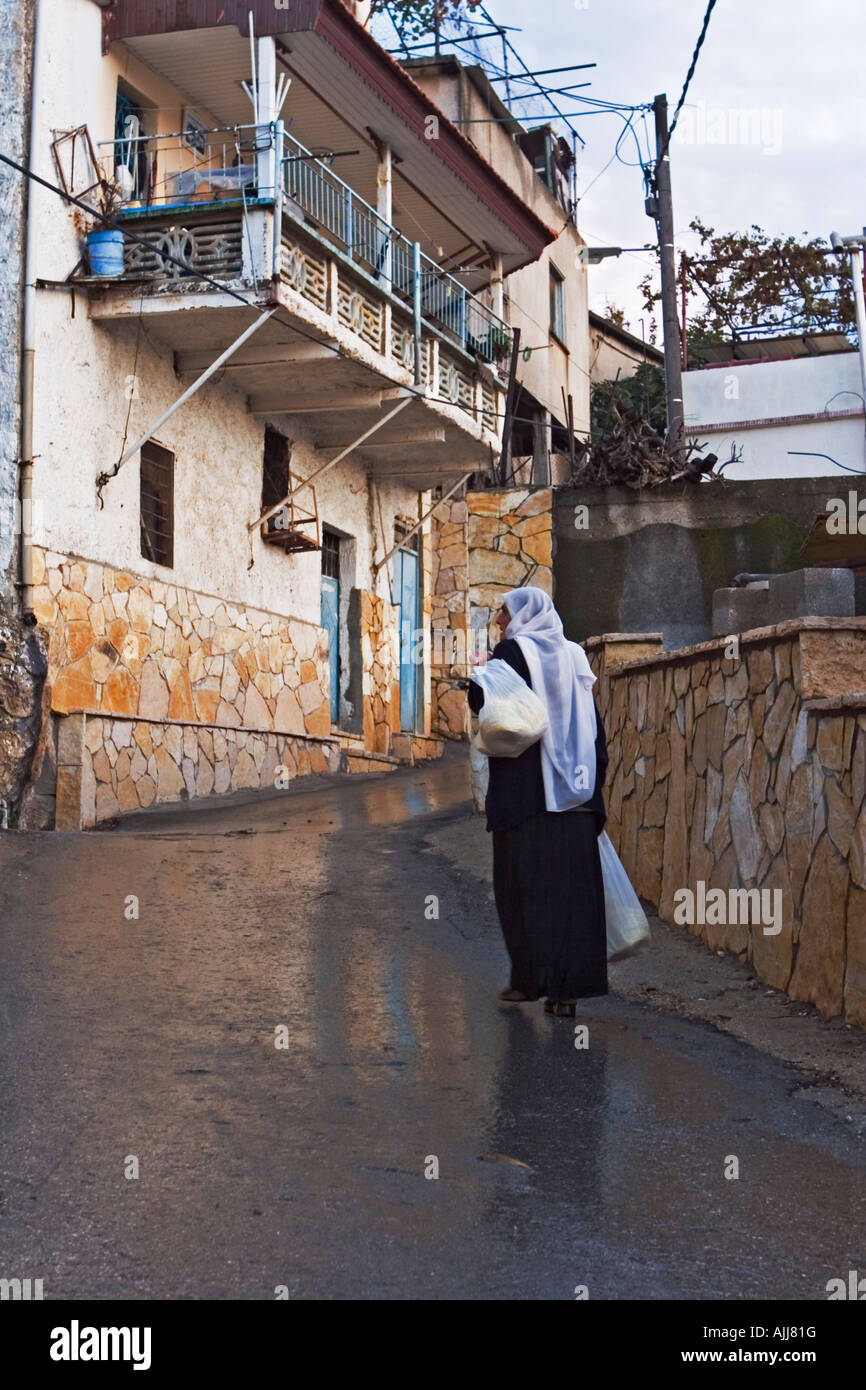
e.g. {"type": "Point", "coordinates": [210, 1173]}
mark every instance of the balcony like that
{"type": "Point", "coordinates": [316, 198]}
{"type": "Point", "coordinates": [253, 209]}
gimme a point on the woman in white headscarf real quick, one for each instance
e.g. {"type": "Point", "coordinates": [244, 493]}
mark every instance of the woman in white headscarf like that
{"type": "Point", "coordinates": [545, 811]}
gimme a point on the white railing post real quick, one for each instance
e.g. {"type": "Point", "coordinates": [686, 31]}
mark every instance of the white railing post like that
{"type": "Point", "coordinates": [350, 223]}
{"type": "Point", "coordinates": [279, 137]}
{"type": "Point", "coordinates": [416, 309]}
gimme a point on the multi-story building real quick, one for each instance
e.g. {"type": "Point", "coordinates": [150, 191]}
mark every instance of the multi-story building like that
{"type": "Point", "coordinates": [239, 432]}
{"type": "Point", "coordinates": [22, 660]}
{"type": "Point", "coordinates": [786, 407]}
{"type": "Point", "coordinates": [617, 353]}
{"type": "Point", "coordinates": [547, 299]}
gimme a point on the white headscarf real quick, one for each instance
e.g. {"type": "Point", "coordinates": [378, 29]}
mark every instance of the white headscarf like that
{"type": "Point", "coordinates": [563, 679]}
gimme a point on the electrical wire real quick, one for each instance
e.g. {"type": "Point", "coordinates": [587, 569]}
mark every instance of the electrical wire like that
{"type": "Point", "coordinates": [112, 224]}
{"type": "Point", "coordinates": [689, 75]}
{"type": "Point", "coordinates": [627, 127]}
{"type": "Point", "coordinates": [166, 256]}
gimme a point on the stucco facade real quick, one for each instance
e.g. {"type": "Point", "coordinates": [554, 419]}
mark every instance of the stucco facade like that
{"type": "Point", "coordinates": [557, 363]}
{"type": "Point", "coordinates": [792, 418]}
{"type": "Point", "coordinates": [212, 672]}
{"type": "Point", "coordinates": [16, 26]}
{"type": "Point", "coordinates": [616, 353]}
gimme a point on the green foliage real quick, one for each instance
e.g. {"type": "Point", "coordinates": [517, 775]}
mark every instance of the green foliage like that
{"type": "Point", "coordinates": [417, 18]}
{"type": "Point", "coordinates": [643, 392]}
{"type": "Point", "coordinates": [741, 281]}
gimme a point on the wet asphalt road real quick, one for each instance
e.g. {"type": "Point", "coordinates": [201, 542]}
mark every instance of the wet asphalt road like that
{"type": "Point", "coordinates": [304, 1166]}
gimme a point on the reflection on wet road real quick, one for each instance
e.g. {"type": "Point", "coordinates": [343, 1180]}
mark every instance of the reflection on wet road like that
{"type": "Point", "coordinates": [304, 1165]}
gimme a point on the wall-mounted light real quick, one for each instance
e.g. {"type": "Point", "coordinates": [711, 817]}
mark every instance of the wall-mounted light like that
{"type": "Point", "coordinates": [594, 255]}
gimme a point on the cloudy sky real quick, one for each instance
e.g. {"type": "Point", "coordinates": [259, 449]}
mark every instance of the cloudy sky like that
{"type": "Point", "coordinates": [797, 165]}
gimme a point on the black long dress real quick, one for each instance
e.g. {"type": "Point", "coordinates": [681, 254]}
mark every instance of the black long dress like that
{"type": "Point", "coordinates": [547, 877]}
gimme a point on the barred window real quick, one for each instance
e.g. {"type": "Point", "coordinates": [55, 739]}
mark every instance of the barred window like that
{"type": "Point", "coordinates": [157, 504]}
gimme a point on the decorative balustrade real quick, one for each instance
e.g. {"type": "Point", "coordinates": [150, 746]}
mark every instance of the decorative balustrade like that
{"type": "Point", "coordinates": [193, 209]}
{"type": "Point", "coordinates": [314, 194]}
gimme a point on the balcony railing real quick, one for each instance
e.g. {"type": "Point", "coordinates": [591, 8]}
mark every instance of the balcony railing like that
{"type": "Point", "coordinates": [182, 167]}
{"type": "Point", "coordinates": [342, 216]}
{"type": "Point", "coordinates": [199, 168]}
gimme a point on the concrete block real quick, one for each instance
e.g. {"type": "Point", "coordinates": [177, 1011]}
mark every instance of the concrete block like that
{"type": "Point", "coordinates": [70, 740]}
{"type": "Point", "coordinates": [68, 811]}
{"type": "Point", "coordinates": [740, 610]}
{"type": "Point", "coordinates": [812, 593]}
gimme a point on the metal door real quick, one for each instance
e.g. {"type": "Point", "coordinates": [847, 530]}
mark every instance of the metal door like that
{"type": "Point", "coordinates": [406, 599]}
{"type": "Point", "coordinates": [331, 624]}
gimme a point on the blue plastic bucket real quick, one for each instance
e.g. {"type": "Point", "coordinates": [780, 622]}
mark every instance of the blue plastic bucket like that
{"type": "Point", "coordinates": [106, 252]}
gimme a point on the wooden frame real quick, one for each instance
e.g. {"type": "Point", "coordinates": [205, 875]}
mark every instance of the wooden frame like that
{"type": "Point", "coordinates": [294, 527]}
{"type": "Point", "coordinates": [64, 147]}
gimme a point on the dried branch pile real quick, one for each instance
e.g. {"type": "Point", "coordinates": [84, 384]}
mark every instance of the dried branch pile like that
{"type": "Point", "coordinates": [633, 454]}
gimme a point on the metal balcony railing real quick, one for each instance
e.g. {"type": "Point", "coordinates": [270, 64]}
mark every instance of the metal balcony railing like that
{"type": "Point", "coordinates": [191, 166]}
{"type": "Point", "coordinates": [201, 167]}
{"type": "Point", "coordinates": [342, 216]}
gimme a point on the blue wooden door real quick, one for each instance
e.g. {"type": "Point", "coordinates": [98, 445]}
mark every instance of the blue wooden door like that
{"type": "Point", "coordinates": [331, 624]}
{"type": "Point", "coordinates": [406, 599]}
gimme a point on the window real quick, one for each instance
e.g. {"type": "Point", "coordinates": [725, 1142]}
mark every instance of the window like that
{"type": "Point", "coordinates": [330, 555]}
{"type": "Point", "coordinates": [275, 468]}
{"type": "Point", "coordinates": [157, 504]}
{"type": "Point", "coordinates": [134, 167]}
{"type": "Point", "coordinates": [557, 304]}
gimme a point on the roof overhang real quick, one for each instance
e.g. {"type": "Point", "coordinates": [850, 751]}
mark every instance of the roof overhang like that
{"type": "Point", "coordinates": [329, 48]}
{"type": "Point", "coordinates": [289, 374]}
{"type": "Point", "coordinates": [609, 329]}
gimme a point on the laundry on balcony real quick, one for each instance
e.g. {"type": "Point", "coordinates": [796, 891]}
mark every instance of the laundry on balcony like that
{"type": "Point", "coordinates": [188, 182]}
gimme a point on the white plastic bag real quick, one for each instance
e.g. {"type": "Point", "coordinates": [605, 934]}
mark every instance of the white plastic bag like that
{"type": "Point", "coordinates": [480, 771]}
{"type": "Point", "coordinates": [512, 717]}
{"type": "Point", "coordinates": [627, 925]}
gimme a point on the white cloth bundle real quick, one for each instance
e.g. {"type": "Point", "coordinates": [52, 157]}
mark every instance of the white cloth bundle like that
{"type": "Point", "coordinates": [512, 717]}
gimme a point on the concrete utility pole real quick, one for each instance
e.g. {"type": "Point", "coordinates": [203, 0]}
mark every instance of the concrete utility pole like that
{"type": "Point", "coordinates": [662, 209]}
{"type": "Point", "coordinates": [856, 248]}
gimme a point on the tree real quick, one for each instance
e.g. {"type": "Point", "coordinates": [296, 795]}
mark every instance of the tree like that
{"type": "Point", "coordinates": [643, 392]}
{"type": "Point", "coordinates": [745, 282]}
{"type": "Point", "coordinates": [415, 18]}
{"type": "Point", "coordinates": [616, 315]}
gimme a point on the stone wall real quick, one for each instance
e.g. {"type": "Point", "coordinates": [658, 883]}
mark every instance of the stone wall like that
{"type": "Point", "coordinates": [381, 674]}
{"type": "Point", "coordinates": [125, 645]}
{"type": "Point", "coordinates": [23, 667]}
{"type": "Point", "coordinates": [745, 768]}
{"type": "Point", "coordinates": [158, 692]}
{"type": "Point", "coordinates": [449, 617]}
{"type": "Point", "coordinates": [107, 767]}
{"type": "Point", "coordinates": [488, 543]}
{"type": "Point", "coordinates": [510, 544]}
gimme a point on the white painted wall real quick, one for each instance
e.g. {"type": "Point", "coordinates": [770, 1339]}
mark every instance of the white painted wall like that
{"type": "Point", "coordinates": [730, 396]}
{"type": "Point", "coordinates": [81, 403]}
{"type": "Point", "coordinates": [16, 26]}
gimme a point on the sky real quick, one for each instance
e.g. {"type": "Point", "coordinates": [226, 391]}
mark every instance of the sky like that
{"type": "Point", "coordinates": [773, 131]}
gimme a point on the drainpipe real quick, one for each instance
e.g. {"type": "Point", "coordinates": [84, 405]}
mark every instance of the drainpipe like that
{"type": "Point", "coordinates": [28, 345]}
{"type": "Point", "coordinates": [856, 249]}
{"type": "Point", "coordinates": [416, 311]}
{"type": "Point", "coordinates": [855, 261]}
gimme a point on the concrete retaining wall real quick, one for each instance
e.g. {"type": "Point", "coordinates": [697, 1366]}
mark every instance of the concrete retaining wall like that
{"type": "Point", "coordinates": [652, 560]}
